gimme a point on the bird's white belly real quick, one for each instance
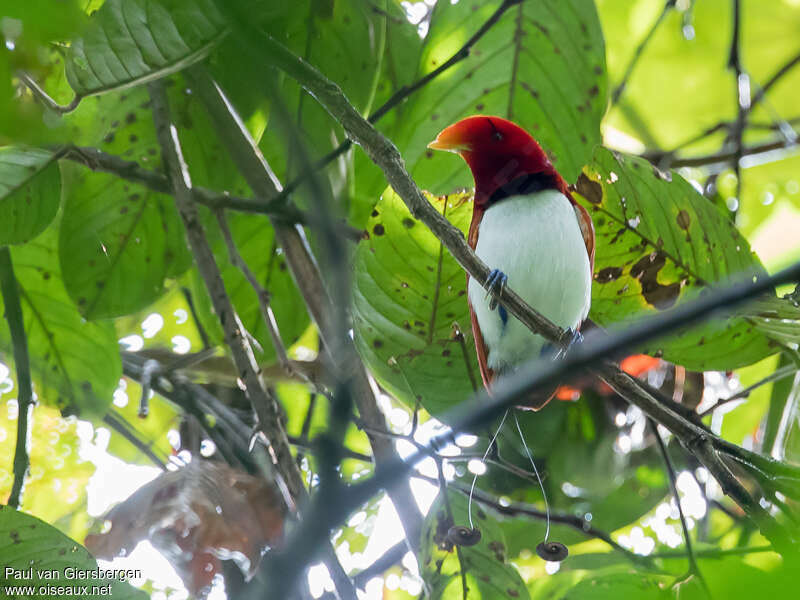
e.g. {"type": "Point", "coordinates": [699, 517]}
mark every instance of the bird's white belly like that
{"type": "Point", "coordinates": [536, 241]}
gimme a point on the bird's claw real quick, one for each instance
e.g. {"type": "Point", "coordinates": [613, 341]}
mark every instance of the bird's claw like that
{"type": "Point", "coordinates": [495, 284]}
{"type": "Point", "coordinates": [574, 337]}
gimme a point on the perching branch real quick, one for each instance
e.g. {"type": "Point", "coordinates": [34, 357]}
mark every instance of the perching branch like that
{"type": "Point", "coordinates": [19, 340]}
{"type": "Point", "coordinates": [123, 428]}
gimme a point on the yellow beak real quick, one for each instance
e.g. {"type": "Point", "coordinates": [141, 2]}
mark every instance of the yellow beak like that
{"type": "Point", "coordinates": [450, 141]}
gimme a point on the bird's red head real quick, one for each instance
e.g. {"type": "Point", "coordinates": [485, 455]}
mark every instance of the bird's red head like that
{"type": "Point", "coordinates": [497, 151]}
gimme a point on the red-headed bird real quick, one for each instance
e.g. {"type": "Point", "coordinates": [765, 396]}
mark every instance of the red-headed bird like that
{"type": "Point", "coordinates": [533, 235]}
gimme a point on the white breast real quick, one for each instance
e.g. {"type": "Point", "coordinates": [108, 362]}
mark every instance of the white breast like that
{"type": "Point", "coordinates": [536, 241]}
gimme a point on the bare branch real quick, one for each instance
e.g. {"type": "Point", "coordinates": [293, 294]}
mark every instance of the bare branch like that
{"type": "Point", "coordinates": [637, 54]}
{"type": "Point", "coordinates": [262, 294]}
{"type": "Point", "coordinates": [303, 266]}
{"type": "Point", "coordinates": [19, 341]}
{"type": "Point", "coordinates": [694, 569]}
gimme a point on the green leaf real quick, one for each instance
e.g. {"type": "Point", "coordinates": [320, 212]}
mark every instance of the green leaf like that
{"type": "Point", "coordinates": [129, 42]}
{"type": "Point", "coordinates": [488, 575]}
{"type": "Point", "coordinates": [30, 193]}
{"type": "Point", "coordinates": [36, 554]}
{"type": "Point", "coordinates": [778, 318]}
{"type": "Point", "coordinates": [76, 365]}
{"type": "Point", "coordinates": [621, 585]}
{"type": "Point", "coordinates": [408, 292]}
{"type": "Point", "coordinates": [542, 65]}
{"type": "Point", "coordinates": [118, 240]}
{"type": "Point", "coordinates": [660, 243]}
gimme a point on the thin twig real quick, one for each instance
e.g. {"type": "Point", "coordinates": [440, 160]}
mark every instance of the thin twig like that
{"type": "Point", "coordinates": [386, 561]}
{"type": "Point", "coordinates": [19, 341]}
{"type": "Point", "coordinates": [742, 96]}
{"type": "Point", "coordinates": [637, 54]}
{"type": "Point", "coordinates": [201, 331]}
{"type": "Point", "coordinates": [694, 569]}
{"type": "Point", "coordinates": [262, 294]}
{"type": "Point", "coordinates": [97, 160]}
{"type": "Point", "coordinates": [779, 374]}
{"type": "Point", "coordinates": [123, 428]}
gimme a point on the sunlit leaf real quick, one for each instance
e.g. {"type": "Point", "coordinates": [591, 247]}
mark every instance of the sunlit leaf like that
{"type": "Point", "coordinates": [408, 293]}
{"type": "Point", "coordinates": [660, 243]}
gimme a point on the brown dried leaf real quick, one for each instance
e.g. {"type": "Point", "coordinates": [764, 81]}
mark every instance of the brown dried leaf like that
{"type": "Point", "coordinates": [196, 516]}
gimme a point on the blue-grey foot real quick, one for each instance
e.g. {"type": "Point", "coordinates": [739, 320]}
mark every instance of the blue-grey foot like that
{"type": "Point", "coordinates": [495, 284]}
{"type": "Point", "coordinates": [575, 338]}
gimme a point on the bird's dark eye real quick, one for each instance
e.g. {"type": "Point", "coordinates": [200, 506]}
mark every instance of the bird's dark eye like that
{"type": "Point", "coordinates": [496, 135]}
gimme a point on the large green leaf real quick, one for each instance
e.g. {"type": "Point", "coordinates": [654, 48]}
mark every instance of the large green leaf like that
{"type": "Point", "coordinates": [133, 41]}
{"type": "Point", "coordinates": [75, 364]}
{"type": "Point", "coordinates": [408, 292]}
{"type": "Point", "coordinates": [660, 243]}
{"type": "Point", "coordinates": [118, 240]}
{"type": "Point", "coordinates": [36, 554]}
{"type": "Point", "coordinates": [484, 565]}
{"type": "Point", "coordinates": [542, 65]}
{"type": "Point", "coordinates": [30, 192]}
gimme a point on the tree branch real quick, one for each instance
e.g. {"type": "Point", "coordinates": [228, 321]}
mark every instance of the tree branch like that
{"type": "Point", "coordinates": [19, 341]}
{"type": "Point", "coordinates": [264, 404]}
{"type": "Point", "coordinates": [97, 160]}
{"type": "Point", "coordinates": [308, 278]}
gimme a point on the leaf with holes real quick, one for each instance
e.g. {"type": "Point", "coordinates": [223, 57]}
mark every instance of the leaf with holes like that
{"type": "Point", "coordinates": [30, 550]}
{"type": "Point", "coordinates": [482, 567]}
{"type": "Point", "coordinates": [660, 243]}
{"type": "Point", "coordinates": [541, 65]}
{"type": "Point", "coordinates": [75, 364]}
{"type": "Point", "coordinates": [129, 42]}
{"type": "Point", "coordinates": [408, 293]}
{"type": "Point", "coordinates": [118, 240]}
{"type": "Point", "coordinates": [30, 193]}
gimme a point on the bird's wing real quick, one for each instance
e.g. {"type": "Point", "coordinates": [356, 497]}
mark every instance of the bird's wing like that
{"type": "Point", "coordinates": [487, 374]}
{"type": "Point", "coordinates": [587, 231]}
